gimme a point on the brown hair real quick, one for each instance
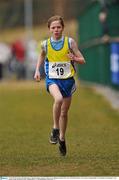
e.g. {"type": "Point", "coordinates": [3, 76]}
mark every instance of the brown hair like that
{"type": "Point", "coordinates": [55, 18]}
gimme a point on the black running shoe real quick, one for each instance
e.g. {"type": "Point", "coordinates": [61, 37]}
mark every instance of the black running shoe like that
{"type": "Point", "coordinates": [62, 147]}
{"type": "Point", "coordinates": [54, 138]}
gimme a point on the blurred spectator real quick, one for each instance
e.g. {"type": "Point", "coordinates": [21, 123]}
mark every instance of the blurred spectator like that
{"type": "Point", "coordinates": [103, 21]}
{"type": "Point", "coordinates": [18, 59]}
{"type": "Point", "coordinates": [31, 57]}
{"type": "Point", "coordinates": [0, 71]}
{"type": "Point", "coordinates": [5, 55]}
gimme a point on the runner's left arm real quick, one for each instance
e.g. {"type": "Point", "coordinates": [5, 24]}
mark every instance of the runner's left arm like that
{"type": "Point", "coordinates": [75, 55]}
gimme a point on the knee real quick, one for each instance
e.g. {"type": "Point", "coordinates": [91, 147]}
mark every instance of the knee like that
{"type": "Point", "coordinates": [63, 113]}
{"type": "Point", "coordinates": [58, 100]}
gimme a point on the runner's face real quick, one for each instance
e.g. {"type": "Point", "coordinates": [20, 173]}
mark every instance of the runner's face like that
{"type": "Point", "coordinates": [56, 29]}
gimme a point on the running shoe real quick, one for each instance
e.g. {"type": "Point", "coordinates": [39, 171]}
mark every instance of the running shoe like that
{"type": "Point", "coordinates": [54, 138]}
{"type": "Point", "coordinates": [62, 147]}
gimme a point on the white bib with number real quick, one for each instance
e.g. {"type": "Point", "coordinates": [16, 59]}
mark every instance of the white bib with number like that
{"type": "Point", "coordinates": [59, 70]}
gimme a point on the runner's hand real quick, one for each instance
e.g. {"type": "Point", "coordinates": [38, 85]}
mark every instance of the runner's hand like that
{"type": "Point", "coordinates": [37, 76]}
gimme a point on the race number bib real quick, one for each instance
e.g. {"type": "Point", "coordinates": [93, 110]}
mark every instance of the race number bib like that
{"type": "Point", "coordinates": [59, 70]}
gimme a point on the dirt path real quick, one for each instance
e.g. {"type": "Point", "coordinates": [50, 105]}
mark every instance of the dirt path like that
{"type": "Point", "coordinates": [110, 94]}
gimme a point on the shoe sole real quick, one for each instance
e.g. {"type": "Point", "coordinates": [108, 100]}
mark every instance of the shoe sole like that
{"type": "Point", "coordinates": [52, 142]}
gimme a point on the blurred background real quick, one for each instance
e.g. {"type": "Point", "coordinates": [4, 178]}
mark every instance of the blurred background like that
{"type": "Point", "coordinates": [25, 107]}
{"type": "Point", "coordinates": [92, 23]}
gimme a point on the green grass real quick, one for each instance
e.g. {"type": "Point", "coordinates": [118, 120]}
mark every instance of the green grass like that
{"type": "Point", "coordinates": [25, 123]}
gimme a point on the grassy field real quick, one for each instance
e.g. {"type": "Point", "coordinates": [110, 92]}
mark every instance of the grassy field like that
{"type": "Point", "coordinates": [25, 124]}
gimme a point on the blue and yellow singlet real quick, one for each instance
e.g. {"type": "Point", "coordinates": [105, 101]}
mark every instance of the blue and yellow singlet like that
{"type": "Point", "coordinates": [57, 64]}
